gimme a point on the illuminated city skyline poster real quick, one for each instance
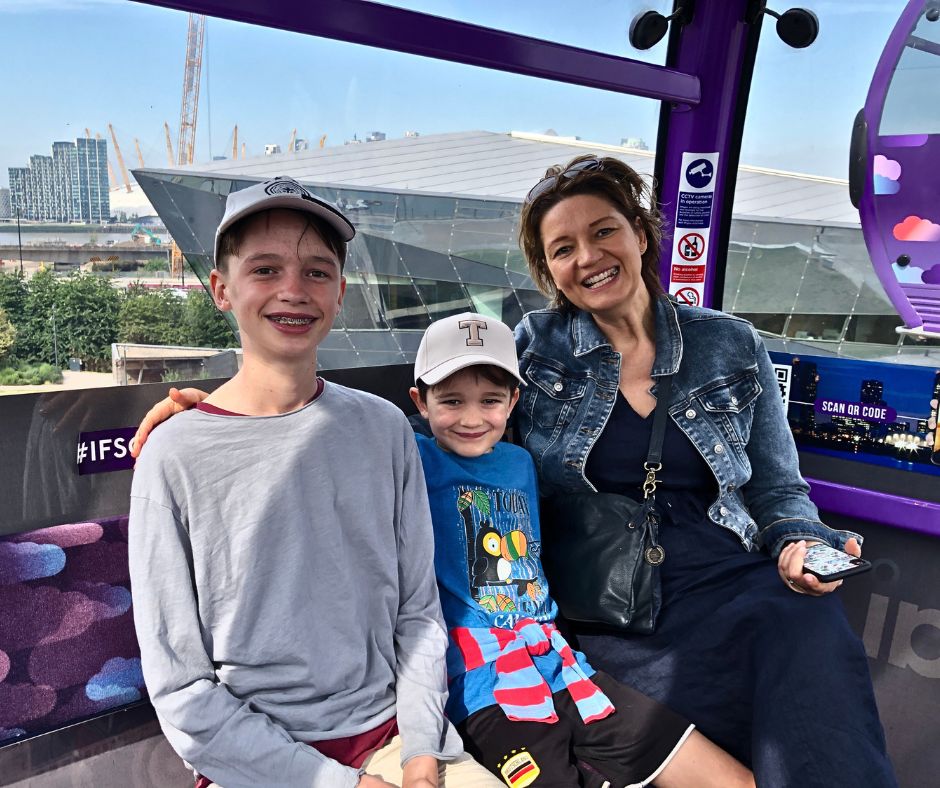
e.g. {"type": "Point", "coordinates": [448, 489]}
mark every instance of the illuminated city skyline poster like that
{"type": "Point", "coordinates": [880, 413]}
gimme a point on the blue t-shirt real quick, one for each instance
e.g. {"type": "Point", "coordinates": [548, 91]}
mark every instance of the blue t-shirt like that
{"type": "Point", "coordinates": [487, 543]}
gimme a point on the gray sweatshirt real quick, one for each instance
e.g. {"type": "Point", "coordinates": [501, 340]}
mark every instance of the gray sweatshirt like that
{"type": "Point", "coordinates": [283, 582]}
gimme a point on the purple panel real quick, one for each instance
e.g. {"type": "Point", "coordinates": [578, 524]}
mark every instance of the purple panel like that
{"type": "Point", "coordinates": [361, 22]}
{"type": "Point", "coordinates": [708, 127]}
{"type": "Point", "coordinates": [907, 513]}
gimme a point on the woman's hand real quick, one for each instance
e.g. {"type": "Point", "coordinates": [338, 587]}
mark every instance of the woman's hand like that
{"type": "Point", "coordinates": [790, 568]}
{"type": "Point", "coordinates": [177, 402]}
{"type": "Point", "coordinates": [420, 772]}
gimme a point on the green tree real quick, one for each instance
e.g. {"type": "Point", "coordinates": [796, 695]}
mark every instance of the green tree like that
{"type": "Point", "coordinates": [7, 335]}
{"type": "Point", "coordinates": [151, 317]}
{"type": "Point", "coordinates": [37, 333]}
{"type": "Point", "coordinates": [13, 295]}
{"type": "Point", "coordinates": [88, 307]}
{"type": "Point", "coordinates": [203, 323]}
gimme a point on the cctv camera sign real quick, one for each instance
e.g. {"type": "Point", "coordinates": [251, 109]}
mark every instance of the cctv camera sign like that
{"type": "Point", "coordinates": [104, 450]}
{"type": "Point", "coordinates": [692, 227]}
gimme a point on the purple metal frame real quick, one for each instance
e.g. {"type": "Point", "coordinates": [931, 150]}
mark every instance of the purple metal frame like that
{"type": "Point", "coordinates": [892, 510]}
{"type": "Point", "coordinates": [372, 24]}
{"type": "Point", "coordinates": [708, 127]}
{"type": "Point", "coordinates": [874, 104]}
{"type": "Point", "coordinates": [705, 89]}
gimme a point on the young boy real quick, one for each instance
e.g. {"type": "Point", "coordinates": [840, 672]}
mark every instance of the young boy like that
{"type": "Point", "coordinates": [528, 707]}
{"type": "Point", "coordinates": [287, 615]}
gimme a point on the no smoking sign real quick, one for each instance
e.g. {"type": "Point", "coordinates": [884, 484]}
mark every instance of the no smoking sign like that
{"type": "Point", "coordinates": [687, 295]}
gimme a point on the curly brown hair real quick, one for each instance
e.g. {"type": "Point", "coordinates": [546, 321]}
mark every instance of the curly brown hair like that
{"type": "Point", "coordinates": [604, 177]}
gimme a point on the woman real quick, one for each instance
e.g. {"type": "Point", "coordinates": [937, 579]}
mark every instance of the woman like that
{"type": "Point", "coordinates": [751, 649]}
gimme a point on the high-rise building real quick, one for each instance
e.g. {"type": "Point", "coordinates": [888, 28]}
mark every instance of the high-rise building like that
{"type": "Point", "coordinates": [65, 180]}
{"type": "Point", "coordinates": [42, 194]}
{"type": "Point", "coordinates": [803, 391]}
{"type": "Point", "coordinates": [872, 392]}
{"type": "Point", "coordinates": [6, 207]}
{"type": "Point", "coordinates": [71, 185]}
{"type": "Point", "coordinates": [93, 199]}
{"type": "Point", "coordinates": [21, 192]}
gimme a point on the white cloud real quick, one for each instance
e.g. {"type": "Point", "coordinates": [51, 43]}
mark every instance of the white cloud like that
{"type": "Point", "coordinates": [908, 274]}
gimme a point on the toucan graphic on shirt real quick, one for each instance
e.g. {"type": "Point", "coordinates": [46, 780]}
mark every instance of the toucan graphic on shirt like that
{"type": "Point", "coordinates": [503, 570]}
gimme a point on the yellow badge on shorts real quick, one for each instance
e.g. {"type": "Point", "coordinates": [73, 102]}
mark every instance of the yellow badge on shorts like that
{"type": "Point", "coordinates": [519, 769]}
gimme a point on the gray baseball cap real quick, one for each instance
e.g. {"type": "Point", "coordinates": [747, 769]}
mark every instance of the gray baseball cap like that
{"type": "Point", "coordinates": [282, 192]}
{"type": "Point", "coordinates": [453, 343]}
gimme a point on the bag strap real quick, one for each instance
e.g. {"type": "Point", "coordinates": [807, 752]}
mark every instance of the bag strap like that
{"type": "Point", "coordinates": [655, 454]}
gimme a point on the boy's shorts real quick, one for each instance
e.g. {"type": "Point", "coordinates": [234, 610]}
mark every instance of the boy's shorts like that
{"type": "Point", "coordinates": [628, 748]}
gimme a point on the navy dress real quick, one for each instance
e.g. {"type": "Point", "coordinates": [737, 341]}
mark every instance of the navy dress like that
{"type": "Point", "coordinates": [776, 678]}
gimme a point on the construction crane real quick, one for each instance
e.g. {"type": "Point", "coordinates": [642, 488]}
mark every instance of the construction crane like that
{"type": "Point", "coordinates": [290, 145]}
{"type": "Point", "coordinates": [140, 156]}
{"type": "Point", "coordinates": [189, 110]}
{"type": "Point", "coordinates": [120, 159]}
{"type": "Point", "coordinates": [186, 145]}
{"type": "Point", "coordinates": [169, 145]}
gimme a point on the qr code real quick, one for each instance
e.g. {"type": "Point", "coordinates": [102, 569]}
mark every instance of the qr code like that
{"type": "Point", "coordinates": [784, 373]}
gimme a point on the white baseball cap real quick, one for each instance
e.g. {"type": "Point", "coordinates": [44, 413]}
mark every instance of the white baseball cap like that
{"type": "Point", "coordinates": [465, 340]}
{"type": "Point", "coordinates": [282, 192]}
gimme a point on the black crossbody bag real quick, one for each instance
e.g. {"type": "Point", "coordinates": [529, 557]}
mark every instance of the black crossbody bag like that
{"type": "Point", "coordinates": [601, 551]}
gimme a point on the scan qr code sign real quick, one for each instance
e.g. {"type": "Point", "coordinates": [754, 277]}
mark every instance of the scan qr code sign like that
{"type": "Point", "coordinates": [784, 373]}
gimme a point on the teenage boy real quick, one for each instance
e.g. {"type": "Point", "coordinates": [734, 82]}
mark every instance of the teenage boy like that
{"type": "Point", "coordinates": [528, 707]}
{"type": "Point", "coordinates": [287, 614]}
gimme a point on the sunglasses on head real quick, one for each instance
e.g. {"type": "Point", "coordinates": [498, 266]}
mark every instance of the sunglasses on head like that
{"type": "Point", "coordinates": [549, 183]}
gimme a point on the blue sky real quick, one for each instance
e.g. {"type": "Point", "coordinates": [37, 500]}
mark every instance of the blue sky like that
{"type": "Point", "coordinates": [72, 64]}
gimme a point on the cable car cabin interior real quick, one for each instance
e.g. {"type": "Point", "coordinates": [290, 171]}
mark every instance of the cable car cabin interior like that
{"type": "Point", "coordinates": [855, 337]}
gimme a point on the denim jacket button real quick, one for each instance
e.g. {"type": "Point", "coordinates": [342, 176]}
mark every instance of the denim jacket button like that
{"type": "Point", "coordinates": [734, 400]}
{"type": "Point", "coordinates": [719, 448]}
{"type": "Point", "coordinates": [731, 488]}
{"type": "Point", "coordinates": [723, 511]}
{"type": "Point", "coordinates": [690, 414]}
{"type": "Point", "coordinates": [558, 386]}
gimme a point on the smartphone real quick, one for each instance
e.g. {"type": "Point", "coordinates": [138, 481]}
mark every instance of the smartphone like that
{"type": "Point", "coordinates": [829, 564]}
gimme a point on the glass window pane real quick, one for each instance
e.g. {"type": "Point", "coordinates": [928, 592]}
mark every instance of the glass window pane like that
{"type": "Point", "coordinates": [816, 327]}
{"type": "Point", "coordinates": [912, 105]}
{"type": "Point", "coordinates": [797, 262]}
{"type": "Point", "coordinates": [873, 328]}
{"type": "Point", "coordinates": [765, 323]}
{"type": "Point", "coordinates": [359, 308]}
{"type": "Point", "coordinates": [401, 303]}
{"type": "Point", "coordinates": [442, 298]}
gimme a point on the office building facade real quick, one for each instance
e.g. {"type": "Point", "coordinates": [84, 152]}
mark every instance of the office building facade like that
{"type": "Point", "coordinates": [71, 185]}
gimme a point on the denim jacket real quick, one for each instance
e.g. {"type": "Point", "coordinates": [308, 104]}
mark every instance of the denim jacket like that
{"type": "Point", "coordinates": [725, 399]}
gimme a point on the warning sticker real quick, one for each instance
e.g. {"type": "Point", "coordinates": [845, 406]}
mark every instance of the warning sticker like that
{"type": "Point", "coordinates": [691, 246]}
{"type": "Point", "coordinates": [695, 209]}
{"type": "Point", "coordinates": [694, 203]}
{"type": "Point", "coordinates": [688, 273]}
